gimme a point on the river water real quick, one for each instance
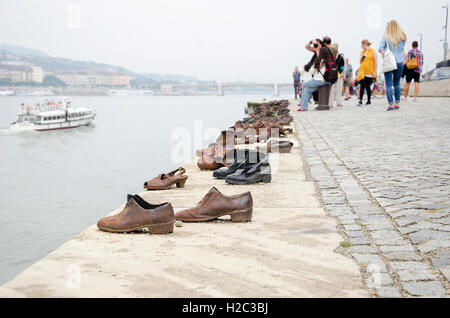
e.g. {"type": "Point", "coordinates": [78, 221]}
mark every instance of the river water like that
{"type": "Point", "coordinates": [55, 184]}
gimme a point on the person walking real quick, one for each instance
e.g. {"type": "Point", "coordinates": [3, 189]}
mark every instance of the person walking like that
{"type": "Point", "coordinates": [348, 78]}
{"type": "Point", "coordinates": [395, 39]}
{"type": "Point", "coordinates": [317, 71]}
{"type": "Point", "coordinates": [367, 71]}
{"type": "Point", "coordinates": [296, 76]}
{"type": "Point", "coordinates": [414, 66]}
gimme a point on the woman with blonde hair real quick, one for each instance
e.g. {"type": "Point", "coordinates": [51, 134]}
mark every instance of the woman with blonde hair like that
{"type": "Point", "coordinates": [394, 39]}
{"type": "Point", "coordinates": [367, 72]}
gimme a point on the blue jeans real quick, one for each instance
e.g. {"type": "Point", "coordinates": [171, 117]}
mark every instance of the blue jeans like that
{"type": "Point", "coordinates": [393, 79]}
{"type": "Point", "coordinates": [309, 88]}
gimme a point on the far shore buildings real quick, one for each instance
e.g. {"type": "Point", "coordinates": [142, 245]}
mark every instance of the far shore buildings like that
{"type": "Point", "coordinates": [94, 79]}
{"type": "Point", "coordinates": [21, 72]}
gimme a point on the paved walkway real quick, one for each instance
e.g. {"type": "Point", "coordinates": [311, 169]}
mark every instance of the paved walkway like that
{"type": "Point", "coordinates": [386, 177]}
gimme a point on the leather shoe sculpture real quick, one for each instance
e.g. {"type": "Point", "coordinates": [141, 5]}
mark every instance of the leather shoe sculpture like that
{"type": "Point", "coordinates": [277, 146]}
{"type": "Point", "coordinates": [213, 157]}
{"type": "Point", "coordinates": [215, 205]}
{"type": "Point", "coordinates": [254, 170]}
{"type": "Point", "coordinates": [241, 161]}
{"type": "Point", "coordinates": [139, 214]}
{"type": "Point", "coordinates": [167, 181]}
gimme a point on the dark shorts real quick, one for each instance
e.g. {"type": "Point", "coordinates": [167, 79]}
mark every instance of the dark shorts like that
{"type": "Point", "coordinates": [412, 75]}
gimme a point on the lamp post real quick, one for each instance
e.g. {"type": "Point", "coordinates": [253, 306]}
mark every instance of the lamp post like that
{"type": "Point", "coordinates": [445, 38]}
{"type": "Point", "coordinates": [421, 40]}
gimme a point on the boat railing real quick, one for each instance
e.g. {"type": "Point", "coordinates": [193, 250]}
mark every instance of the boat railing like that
{"type": "Point", "coordinates": [43, 108]}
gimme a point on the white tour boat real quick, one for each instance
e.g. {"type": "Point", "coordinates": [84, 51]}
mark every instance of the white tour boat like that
{"type": "Point", "coordinates": [53, 116]}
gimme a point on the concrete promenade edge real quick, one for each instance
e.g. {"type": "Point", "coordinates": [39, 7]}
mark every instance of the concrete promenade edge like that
{"type": "Point", "coordinates": [289, 250]}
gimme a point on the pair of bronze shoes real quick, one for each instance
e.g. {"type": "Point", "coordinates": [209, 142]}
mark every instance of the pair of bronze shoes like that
{"type": "Point", "coordinates": [167, 181]}
{"type": "Point", "coordinates": [138, 214]}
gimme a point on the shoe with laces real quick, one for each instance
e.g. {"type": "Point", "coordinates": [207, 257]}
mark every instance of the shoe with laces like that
{"type": "Point", "coordinates": [215, 205]}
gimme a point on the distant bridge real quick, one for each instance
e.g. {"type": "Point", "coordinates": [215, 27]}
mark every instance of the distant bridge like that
{"type": "Point", "coordinates": [168, 88]}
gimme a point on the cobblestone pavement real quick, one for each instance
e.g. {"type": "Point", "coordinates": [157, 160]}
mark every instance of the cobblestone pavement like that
{"type": "Point", "coordinates": [385, 176]}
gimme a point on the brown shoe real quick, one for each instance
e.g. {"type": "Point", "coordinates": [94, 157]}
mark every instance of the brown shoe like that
{"type": "Point", "coordinates": [215, 205]}
{"type": "Point", "coordinates": [208, 163]}
{"type": "Point", "coordinates": [215, 157]}
{"type": "Point", "coordinates": [139, 214]}
{"type": "Point", "coordinates": [167, 181]}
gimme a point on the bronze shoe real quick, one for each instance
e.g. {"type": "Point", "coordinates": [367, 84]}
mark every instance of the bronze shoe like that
{"type": "Point", "coordinates": [215, 205]}
{"type": "Point", "coordinates": [277, 146]}
{"type": "Point", "coordinates": [208, 163]}
{"type": "Point", "coordinates": [167, 181]}
{"type": "Point", "coordinates": [214, 158]}
{"type": "Point", "coordinates": [139, 214]}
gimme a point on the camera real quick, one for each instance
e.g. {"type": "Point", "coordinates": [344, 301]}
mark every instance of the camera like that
{"type": "Point", "coordinates": [315, 45]}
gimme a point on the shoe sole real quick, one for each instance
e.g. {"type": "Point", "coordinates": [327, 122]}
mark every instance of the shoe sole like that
{"type": "Point", "coordinates": [261, 179]}
{"type": "Point", "coordinates": [240, 216]}
{"type": "Point", "coordinates": [285, 150]}
{"type": "Point", "coordinates": [159, 189]}
{"type": "Point", "coordinates": [161, 228]}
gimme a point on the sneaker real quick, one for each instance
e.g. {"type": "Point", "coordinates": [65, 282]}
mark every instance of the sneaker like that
{"type": "Point", "coordinates": [397, 106]}
{"type": "Point", "coordinates": [368, 103]}
{"type": "Point", "coordinates": [404, 98]}
{"type": "Point", "coordinates": [414, 99]}
{"type": "Point", "coordinates": [391, 107]}
{"type": "Point", "coordinates": [360, 103]}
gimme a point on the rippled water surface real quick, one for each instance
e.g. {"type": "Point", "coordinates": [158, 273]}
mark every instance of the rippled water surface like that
{"type": "Point", "coordinates": [55, 184]}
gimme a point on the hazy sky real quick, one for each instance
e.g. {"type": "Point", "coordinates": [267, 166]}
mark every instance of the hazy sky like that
{"type": "Point", "coordinates": [244, 40]}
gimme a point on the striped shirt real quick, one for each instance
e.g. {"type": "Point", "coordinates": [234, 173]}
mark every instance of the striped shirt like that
{"type": "Point", "coordinates": [416, 53]}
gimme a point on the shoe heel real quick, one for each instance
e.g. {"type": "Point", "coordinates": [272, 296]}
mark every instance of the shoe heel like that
{"type": "Point", "coordinates": [267, 178]}
{"type": "Point", "coordinates": [163, 228]}
{"type": "Point", "coordinates": [242, 216]}
{"type": "Point", "coordinates": [181, 184]}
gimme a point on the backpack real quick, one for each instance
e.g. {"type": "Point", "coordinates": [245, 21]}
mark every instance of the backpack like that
{"type": "Point", "coordinates": [412, 63]}
{"type": "Point", "coordinates": [340, 63]}
{"type": "Point", "coordinates": [331, 71]}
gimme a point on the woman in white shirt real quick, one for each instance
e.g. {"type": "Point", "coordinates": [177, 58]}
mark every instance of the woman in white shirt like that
{"type": "Point", "coordinates": [317, 80]}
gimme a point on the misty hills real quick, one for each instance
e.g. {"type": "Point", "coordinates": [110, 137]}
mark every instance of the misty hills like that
{"type": "Point", "coordinates": [52, 64]}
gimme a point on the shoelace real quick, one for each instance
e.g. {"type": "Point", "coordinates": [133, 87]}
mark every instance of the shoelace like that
{"type": "Point", "coordinates": [204, 199]}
